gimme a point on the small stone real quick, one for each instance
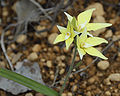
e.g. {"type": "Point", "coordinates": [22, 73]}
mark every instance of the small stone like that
{"type": "Point", "coordinates": [62, 71]}
{"type": "Point", "coordinates": [36, 48]}
{"type": "Point", "coordinates": [64, 94]}
{"type": "Point", "coordinates": [29, 94]}
{"type": "Point", "coordinates": [119, 86]}
{"type": "Point", "coordinates": [107, 81]}
{"type": "Point", "coordinates": [5, 12]}
{"type": "Point", "coordinates": [108, 34]}
{"type": "Point", "coordinates": [99, 9]}
{"type": "Point", "coordinates": [108, 93]}
{"type": "Point", "coordinates": [52, 77]}
{"type": "Point", "coordinates": [52, 37]}
{"type": "Point", "coordinates": [2, 64]}
{"type": "Point", "coordinates": [103, 65]}
{"type": "Point", "coordinates": [33, 56]}
{"type": "Point", "coordinates": [39, 28]}
{"type": "Point", "coordinates": [54, 29]}
{"type": "Point", "coordinates": [116, 37]}
{"type": "Point", "coordinates": [99, 19]}
{"type": "Point", "coordinates": [91, 80]}
{"type": "Point", "coordinates": [88, 93]}
{"type": "Point", "coordinates": [69, 94]}
{"type": "Point", "coordinates": [49, 64]}
{"type": "Point", "coordinates": [114, 77]}
{"type": "Point", "coordinates": [16, 57]}
{"type": "Point", "coordinates": [41, 35]}
{"type": "Point", "coordinates": [38, 94]}
{"type": "Point", "coordinates": [56, 48]}
{"type": "Point", "coordinates": [21, 38]}
{"type": "Point", "coordinates": [75, 88]}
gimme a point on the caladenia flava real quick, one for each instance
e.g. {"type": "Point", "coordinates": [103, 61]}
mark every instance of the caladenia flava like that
{"type": "Point", "coordinates": [80, 27]}
{"type": "Point", "coordinates": [78, 31]}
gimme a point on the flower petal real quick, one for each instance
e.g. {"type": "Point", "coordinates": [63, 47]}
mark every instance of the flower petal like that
{"type": "Point", "coordinates": [94, 52]}
{"type": "Point", "coordinates": [96, 26]}
{"type": "Point", "coordinates": [95, 41]}
{"type": "Point", "coordinates": [68, 42]}
{"type": "Point", "coordinates": [83, 36]}
{"type": "Point", "coordinates": [85, 16]}
{"type": "Point", "coordinates": [68, 16]}
{"type": "Point", "coordinates": [62, 29]}
{"type": "Point", "coordinates": [59, 38]}
{"type": "Point", "coordinates": [81, 52]}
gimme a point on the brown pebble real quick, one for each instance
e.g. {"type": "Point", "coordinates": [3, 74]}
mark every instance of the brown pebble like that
{"type": "Point", "coordinates": [52, 37]}
{"type": "Point", "coordinates": [49, 63]}
{"type": "Point", "coordinates": [38, 94]}
{"type": "Point", "coordinates": [91, 80]}
{"type": "Point", "coordinates": [69, 94]}
{"type": "Point", "coordinates": [56, 49]}
{"type": "Point", "coordinates": [33, 56]}
{"type": "Point", "coordinates": [62, 71]}
{"type": "Point", "coordinates": [103, 65]}
{"type": "Point", "coordinates": [52, 77]}
{"type": "Point", "coordinates": [29, 94]}
{"type": "Point", "coordinates": [64, 94]}
{"type": "Point", "coordinates": [107, 93]}
{"type": "Point", "coordinates": [36, 48]}
{"type": "Point", "coordinates": [21, 39]}
{"type": "Point", "coordinates": [75, 88]}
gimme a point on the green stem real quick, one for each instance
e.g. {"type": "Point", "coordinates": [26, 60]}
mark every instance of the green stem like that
{"type": "Point", "coordinates": [69, 72]}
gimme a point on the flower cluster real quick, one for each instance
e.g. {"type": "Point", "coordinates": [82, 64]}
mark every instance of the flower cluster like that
{"type": "Point", "coordinates": [80, 28]}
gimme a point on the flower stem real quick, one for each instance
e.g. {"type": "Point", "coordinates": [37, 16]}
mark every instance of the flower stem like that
{"type": "Point", "coordinates": [69, 72]}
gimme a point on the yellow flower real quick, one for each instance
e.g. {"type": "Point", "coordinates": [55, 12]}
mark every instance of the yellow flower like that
{"type": "Point", "coordinates": [85, 45]}
{"type": "Point", "coordinates": [83, 20]}
{"type": "Point", "coordinates": [66, 35]}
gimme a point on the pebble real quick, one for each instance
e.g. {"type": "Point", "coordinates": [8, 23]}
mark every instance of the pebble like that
{"type": "Point", "coordinates": [33, 56]}
{"type": "Point", "coordinates": [119, 86]}
{"type": "Point", "coordinates": [62, 71]}
{"type": "Point", "coordinates": [114, 77]}
{"type": "Point", "coordinates": [39, 28]}
{"type": "Point", "coordinates": [75, 88]}
{"type": "Point", "coordinates": [91, 80]}
{"type": "Point", "coordinates": [5, 12]}
{"type": "Point", "coordinates": [38, 94]}
{"type": "Point", "coordinates": [52, 37]}
{"type": "Point", "coordinates": [99, 19]}
{"type": "Point", "coordinates": [41, 35]}
{"type": "Point", "coordinates": [88, 93]}
{"type": "Point", "coordinates": [69, 94]}
{"type": "Point", "coordinates": [29, 94]}
{"type": "Point", "coordinates": [99, 9]}
{"type": "Point", "coordinates": [109, 34]}
{"type": "Point", "coordinates": [2, 64]}
{"type": "Point", "coordinates": [49, 63]}
{"type": "Point", "coordinates": [116, 37]}
{"type": "Point", "coordinates": [64, 94]}
{"type": "Point", "coordinates": [54, 29]}
{"type": "Point", "coordinates": [56, 49]}
{"type": "Point", "coordinates": [103, 65]}
{"type": "Point", "coordinates": [16, 57]}
{"type": "Point", "coordinates": [52, 77]}
{"type": "Point", "coordinates": [21, 38]}
{"type": "Point", "coordinates": [108, 93]}
{"type": "Point", "coordinates": [107, 81]}
{"type": "Point", "coordinates": [36, 48]}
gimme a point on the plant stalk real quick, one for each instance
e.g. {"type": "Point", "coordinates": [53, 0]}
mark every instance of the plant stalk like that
{"type": "Point", "coordinates": [69, 72]}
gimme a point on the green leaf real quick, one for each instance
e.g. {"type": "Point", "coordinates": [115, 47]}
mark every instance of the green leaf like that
{"type": "Point", "coordinates": [27, 82]}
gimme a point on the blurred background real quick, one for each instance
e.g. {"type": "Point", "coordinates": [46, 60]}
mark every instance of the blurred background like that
{"type": "Point", "coordinates": [27, 31]}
